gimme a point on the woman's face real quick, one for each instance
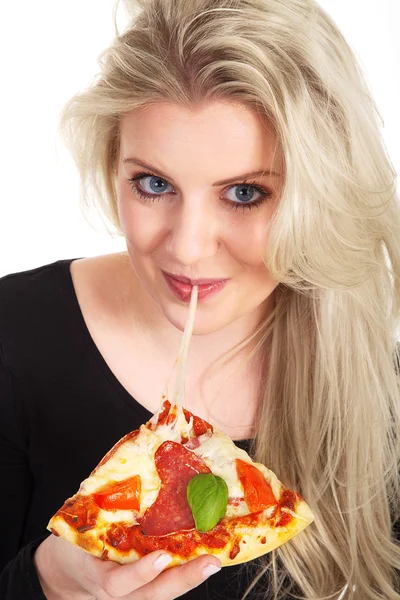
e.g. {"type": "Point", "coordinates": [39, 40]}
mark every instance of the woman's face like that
{"type": "Point", "coordinates": [204, 217]}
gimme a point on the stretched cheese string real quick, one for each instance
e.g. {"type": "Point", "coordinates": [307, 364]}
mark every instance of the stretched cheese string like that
{"type": "Point", "coordinates": [184, 348]}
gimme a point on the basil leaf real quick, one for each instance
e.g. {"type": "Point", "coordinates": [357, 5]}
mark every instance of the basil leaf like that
{"type": "Point", "coordinates": [207, 495]}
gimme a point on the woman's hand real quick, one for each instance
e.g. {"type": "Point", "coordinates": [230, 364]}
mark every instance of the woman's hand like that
{"type": "Point", "coordinates": [68, 573]}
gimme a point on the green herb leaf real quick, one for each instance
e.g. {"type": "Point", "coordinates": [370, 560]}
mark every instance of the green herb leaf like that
{"type": "Point", "coordinates": [207, 495]}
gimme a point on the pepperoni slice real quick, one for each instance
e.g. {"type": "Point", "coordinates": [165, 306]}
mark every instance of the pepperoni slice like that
{"type": "Point", "coordinates": [176, 466]}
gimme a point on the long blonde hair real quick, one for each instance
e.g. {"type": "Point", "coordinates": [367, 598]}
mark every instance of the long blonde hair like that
{"type": "Point", "coordinates": [329, 421]}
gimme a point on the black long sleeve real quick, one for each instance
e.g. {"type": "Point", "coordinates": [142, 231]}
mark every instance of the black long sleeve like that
{"type": "Point", "coordinates": [19, 579]}
{"type": "Point", "coordinates": [14, 469]}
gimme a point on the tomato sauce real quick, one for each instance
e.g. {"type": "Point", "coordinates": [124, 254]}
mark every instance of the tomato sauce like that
{"type": "Point", "coordinates": [80, 513]}
{"type": "Point", "coordinates": [235, 549]}
{"type": "Point", "coordinates": [182, 544]}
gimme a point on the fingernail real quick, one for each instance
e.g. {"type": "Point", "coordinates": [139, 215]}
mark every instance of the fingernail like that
{"type": "Point", "coordinates": [210, 570]}
{"type": "Point", "coordinates": [162, 561]}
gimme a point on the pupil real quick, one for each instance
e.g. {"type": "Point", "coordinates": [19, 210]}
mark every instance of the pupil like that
{"type": "Point", "coordinates": [242, 194]}
{"type": "Point", "coordinates": [157, 184]}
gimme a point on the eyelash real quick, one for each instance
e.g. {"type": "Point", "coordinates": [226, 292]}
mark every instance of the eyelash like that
{"type": "Point", "coordinates": [265, 194]}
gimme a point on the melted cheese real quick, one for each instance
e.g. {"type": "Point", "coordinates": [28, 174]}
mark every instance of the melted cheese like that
{"type": "Point", "coordinates": [136, 457]}
{"type": "Point", "coordinates": [173, 431]}
{"type": "Point", "coordinates": [118, 516]}
{"type": "Point", "coordinates": [219, 453]}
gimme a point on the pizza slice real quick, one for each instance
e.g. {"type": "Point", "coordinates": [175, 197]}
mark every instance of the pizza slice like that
{"type": "Point", "coordinates": [180, 484]}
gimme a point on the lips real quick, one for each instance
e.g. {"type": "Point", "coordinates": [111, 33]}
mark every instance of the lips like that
{"type": "Point", "coordinates": [182, 286]}
{"type": "Point", "coordinates": [210, 280]}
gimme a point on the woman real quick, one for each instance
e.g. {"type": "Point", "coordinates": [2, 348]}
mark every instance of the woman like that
{"type": "Point", "coordinates": [234, 144]}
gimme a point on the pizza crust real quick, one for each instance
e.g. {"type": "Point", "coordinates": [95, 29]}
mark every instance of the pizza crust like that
{"type": "Point", "coordinates": [247, 543]}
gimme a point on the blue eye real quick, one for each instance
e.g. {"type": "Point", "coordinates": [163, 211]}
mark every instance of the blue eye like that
{"type": "Point", "coordinates": [157, 185]}
{"type": "Point", "coordinates": [243, 196]}
{"type": "Point", "coordinates": [244, 193]}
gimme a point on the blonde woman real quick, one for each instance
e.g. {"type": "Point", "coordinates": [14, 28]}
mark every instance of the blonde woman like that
{"type": "Point", "coordinates": [234, 144]}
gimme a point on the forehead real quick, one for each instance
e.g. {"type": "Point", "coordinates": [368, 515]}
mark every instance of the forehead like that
{"type": "Point", "coordinates": [217, 135]}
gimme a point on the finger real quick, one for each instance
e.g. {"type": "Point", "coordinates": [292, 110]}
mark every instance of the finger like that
{"type": "Point", "coordinates": [115, 580]}
{"type": "Point", "coordinates": [179, 580]}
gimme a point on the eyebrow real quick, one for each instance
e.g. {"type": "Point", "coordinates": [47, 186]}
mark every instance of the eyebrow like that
{"type": "Point", "coordinates": [263, 173]}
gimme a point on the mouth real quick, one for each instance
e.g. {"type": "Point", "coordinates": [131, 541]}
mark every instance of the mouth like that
{"type": "Point", "coordinates": [182, 286]}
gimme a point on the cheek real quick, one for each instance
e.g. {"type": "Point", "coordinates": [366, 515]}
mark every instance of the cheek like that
{"type": "Point", "coordinates": [143, 227]}
{"type": "Point", "coordinates": [246, 242]}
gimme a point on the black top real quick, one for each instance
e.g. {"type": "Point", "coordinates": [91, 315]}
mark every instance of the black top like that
{"type": "Point", "coordinates": [61, 410]}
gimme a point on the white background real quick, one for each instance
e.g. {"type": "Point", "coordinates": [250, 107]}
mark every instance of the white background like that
{"type": "Point", "coordinates": [48, 51]}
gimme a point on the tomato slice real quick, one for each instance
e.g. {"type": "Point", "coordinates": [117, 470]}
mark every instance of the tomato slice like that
{"type": "Point", "coordinates": [120, 495]}
{"type": "Point", "coordinates": [258, 493]}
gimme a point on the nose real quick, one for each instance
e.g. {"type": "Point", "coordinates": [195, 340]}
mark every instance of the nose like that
{"type": "Point", "coordinates": [193, 233]}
